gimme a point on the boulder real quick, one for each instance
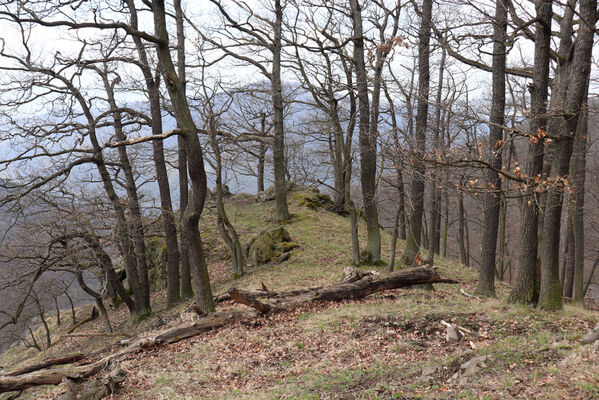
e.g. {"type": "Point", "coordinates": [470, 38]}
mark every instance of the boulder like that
{"type": "Point", "coordinates": [313, 199]}
{"type": "Point", "coordinates": [268, 245]}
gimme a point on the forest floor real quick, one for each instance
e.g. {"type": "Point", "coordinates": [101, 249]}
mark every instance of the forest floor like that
{"type": "Point", "coordinates": [388, 345]}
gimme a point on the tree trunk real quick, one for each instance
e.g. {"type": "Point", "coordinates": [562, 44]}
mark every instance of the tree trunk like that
{"type": "Point", "coordinates": [367, 142]}
{"type": "Point", "coordinates": [185, 270]}
{"type": "Point", "coordinates": [569, 261]}
{"type": "Point", "coordinates": [461, 229]}
{"type": "Point", "coordinates": [550, 296]}
{"type": "Point", "coordinates": [435, 219]}
{"type": "Point", "coordinates": [580, 151]}
{"type": "Point", "coordinates": [417, 191]}
{"type": "Point", "coordinates": [190, 231]}
{"type": "Point", "coordinates": [136, 227]}
{"type": "Point", "coordinates": [97, 298]}
{"type": "Point", "coordinates": [486, 280]}
{"type": "Point", "coordinates": [227, 229]}
{"type": "Point", "coordinates": [523, 290]}
{"type": "Point", "coordinates": [278, 148]}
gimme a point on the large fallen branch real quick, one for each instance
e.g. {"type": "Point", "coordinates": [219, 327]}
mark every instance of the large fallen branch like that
{"type": "Point", "coordinates": [46, 364]}
{"type": "Point", "coordinates": [183, 331]}
{"type": "Point", "coordinates": [359, 286]}
{"type": "Point", "coordinates": [96, 389]}
{"type": "Point", "coordinates": [367, 285]}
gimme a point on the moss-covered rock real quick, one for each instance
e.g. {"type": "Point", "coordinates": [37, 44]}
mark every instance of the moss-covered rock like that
{"type": "Point", "coordinates": [313, 199]}
{"type": "Point", "coordinates": [269, 245]}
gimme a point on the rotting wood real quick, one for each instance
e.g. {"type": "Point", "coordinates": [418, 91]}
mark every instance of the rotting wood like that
{"type": "Point", "coordinates": [95, 389]}
{"type": "Point", "coordinates": [46, 364]}
{"type": "Point", "coordinates": [172, 335]}
{"type": "Point", "coordinates": [363, 287]}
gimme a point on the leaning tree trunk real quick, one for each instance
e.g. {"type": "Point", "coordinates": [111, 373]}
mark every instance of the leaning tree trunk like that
{"type": "Point", "coordinates": [227, 229]}
{"type": "Point", "coordinates": [417, 191]}
{"type": "Point", "coordinates": [191, 217]}
{"type": "Point", "coordinates": [136, 226]}
{"type": "Point", "coordinates": [486, 280]}
{"type": "Point", "coordinates": [524, 290]}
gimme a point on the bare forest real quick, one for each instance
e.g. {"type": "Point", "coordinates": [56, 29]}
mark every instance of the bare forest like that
{"type": "Point", "coordinates": [178, 171]}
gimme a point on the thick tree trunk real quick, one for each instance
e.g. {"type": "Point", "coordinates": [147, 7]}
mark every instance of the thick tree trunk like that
{"type": "Point", "coordinates": [417, 191]}
{"type": "Point", "coordinates": [524, 287]}
{"type": "Point", "coordinates": [486, 280]}
{"type": "Point", "coordinates": [550, 296]}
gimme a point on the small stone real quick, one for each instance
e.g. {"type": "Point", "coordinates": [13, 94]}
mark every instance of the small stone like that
{"type": "Point", "coordinates": [453, 334]}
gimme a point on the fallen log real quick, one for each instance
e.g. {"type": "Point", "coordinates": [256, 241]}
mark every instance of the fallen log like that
{"type": "Point", "coordinates": [95, 389]}
{"type": "Point", "coordinates": [172, 335]}
{"type": "Point", "coordinates": [46, 364]}
{"type": "Point", "coordinates": [349, 275]}
{"type": "Point", "coordinates": [98, 334]}
{"type": "Point", "coordinates": [363, 287]}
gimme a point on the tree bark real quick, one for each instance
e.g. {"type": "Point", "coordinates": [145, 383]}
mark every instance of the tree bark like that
{"type": "Point", "coordinates": [550, 296]}
{"type": "Point", "coordinates": [189, 232]}
{"type": "Point", "coordinates": [486, 280]}
{"type": "Point", "coordinates": [278, 148]}
{"type": "Point", "coordinates": [524, 290]}
{"type": "Point", "coordinates": [136, 226]}
{"type": "Point", "coordinates": [367, 142]}
{"type": "Point", "coordinates": [417, 191]}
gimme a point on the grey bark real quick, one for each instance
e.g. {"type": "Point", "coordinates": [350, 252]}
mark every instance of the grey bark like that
{"type": "Point", "coordinates": [190, 233]}
{"type": "Point", "coordinates": [486, 280]}
{"type": "Point", "coordinates": [418, 186]}
{"type": "Point", "coordinates": [524, 290]}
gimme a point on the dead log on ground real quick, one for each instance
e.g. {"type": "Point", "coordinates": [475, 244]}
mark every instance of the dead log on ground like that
{"type": "Point", "coordinates": [349, 275]}
{"type": "Point", "coordinates": [363, 287]}
{"type": "Point", "coordinates": [95, 389]}
{"type": "Point", "coordinates": [172, 335]}
{"type": "Point", "coordinates": [46, 364]}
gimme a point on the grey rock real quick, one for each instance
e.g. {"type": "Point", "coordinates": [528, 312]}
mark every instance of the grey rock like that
{"type": "Point", "coordinates": [453, 334]}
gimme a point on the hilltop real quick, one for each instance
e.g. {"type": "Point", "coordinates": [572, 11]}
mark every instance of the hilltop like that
{"type": "Point", "coordinates": [389, 345]}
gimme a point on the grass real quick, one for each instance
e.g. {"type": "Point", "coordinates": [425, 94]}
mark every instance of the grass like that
{"type": "Point", "coordinates": [373, 348]}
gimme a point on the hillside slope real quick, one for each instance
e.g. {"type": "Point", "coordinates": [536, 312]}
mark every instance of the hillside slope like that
{"type": "Point", "coordinates": [389, 345]}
